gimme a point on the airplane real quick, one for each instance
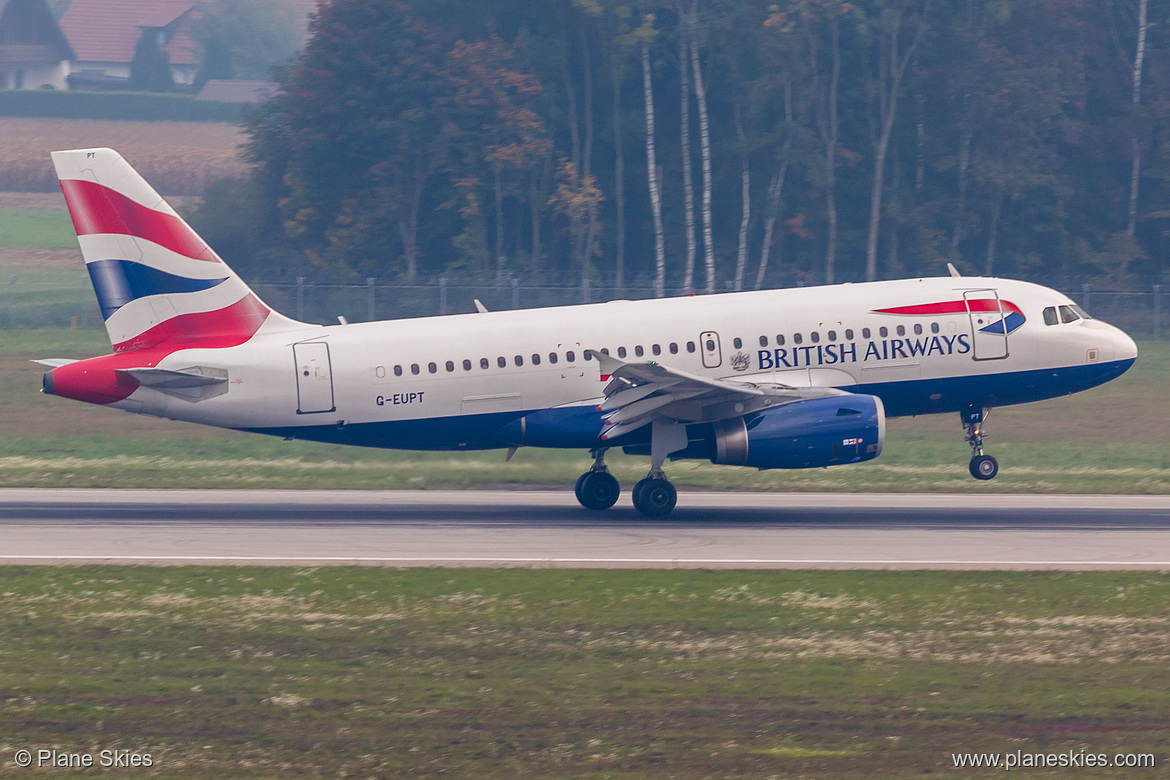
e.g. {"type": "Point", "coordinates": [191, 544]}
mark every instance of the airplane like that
{"type": "Point", "coordinates": [776, 379]}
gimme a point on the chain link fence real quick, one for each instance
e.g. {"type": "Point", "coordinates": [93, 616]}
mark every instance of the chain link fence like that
{"type": "Point", "coordinates": [30, 304]}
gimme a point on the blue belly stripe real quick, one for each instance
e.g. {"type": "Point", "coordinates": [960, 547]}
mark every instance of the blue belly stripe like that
{"type": "Point", "coordinates": [117, 282]}
{"type": "Point", "coordinates": [577, 427]}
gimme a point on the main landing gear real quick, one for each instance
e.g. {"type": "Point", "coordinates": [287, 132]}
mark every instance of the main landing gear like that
{"type": "Point", "coordinates": [597, 488]}
{"type": "Point", "coordinates": [982, 466]}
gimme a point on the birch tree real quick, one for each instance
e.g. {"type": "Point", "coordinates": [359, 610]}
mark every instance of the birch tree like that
{"type": "Point", "coordinates": [705, 148]}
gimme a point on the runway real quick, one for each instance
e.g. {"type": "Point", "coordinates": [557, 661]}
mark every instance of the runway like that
{"type": "Point", "coordinates": [549, 529]}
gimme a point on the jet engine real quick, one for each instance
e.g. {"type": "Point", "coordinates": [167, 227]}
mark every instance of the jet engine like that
{"type": "Point", "coordinates": [804, 434]}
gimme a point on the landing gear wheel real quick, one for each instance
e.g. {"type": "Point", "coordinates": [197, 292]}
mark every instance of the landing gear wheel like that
{"type": "Point", "coordinates": [597, 490]}
{"type": "Point", "coordinates": [655, 497]}
{"type": "Point", "coordinates": [984, 467]}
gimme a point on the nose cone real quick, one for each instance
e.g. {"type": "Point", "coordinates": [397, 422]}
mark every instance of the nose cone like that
{"type": "Point", "coordinates": [1124, 347]}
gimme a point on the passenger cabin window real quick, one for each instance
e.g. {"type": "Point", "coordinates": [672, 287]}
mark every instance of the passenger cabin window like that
{"type": "Point", "coordinates": [849, 334]}
{"type": "Point", "coordinates": [621, 351]}
{"type": "Point", "coordinates": [690, 346]}
{"type": "Point", "coordinates": [816, 337]}
{"type": "Point", "coordinates": [569, 356]}
{"type": "Point", "coordinates": [519, 360]}
{"type": "Point", "coordinates": [552, 357]}
{"type": "Point", "coordinates": [901, 330]}
{"type": "Point", "coordinates": [397, 370]}
{"type": "Point", "coordinates": [535, 359]}
{"type": "Point", "coordinates": [656, 349]}
{"type": "Point", "coordinates": [797, 338]}
{"type": "Point", "coordinates": [639, 351]}
{"type": "Point", "coordinates": [673, 348]}
{"type": "Point", "coordinates": [466, 365]}
{"type": "Point", "coordinates": [502, 362]}
{"type": "Point", "coordinates": [763, 341]}
{"type": "Point", "coordinates": [737, 342]}
{"type": "Point", "coordinates": [865, 333]}
{"type": "Point", "coordinates": [483, 363]}
{"type": "Point", "coordinates": [883, 331]}
{"type": "Point", "coordinates": [934, 327]}
{"type": "Point", "coordinates": [414, 368]}
{"type": "Point", "coordinates": [917, 329]}
{"type": "Point", "coordinates": [1068, 315]}
{"type": "Point", "coordinates": [780, 339]}
{"type": "Point", "coordinates": [432, 368]}
{"type": "Point", "coordinates": [710, 345]}
{"type": "Point", "coordinates": [450, 366]}
{"type": "Point", "coordinates": [832, 335]}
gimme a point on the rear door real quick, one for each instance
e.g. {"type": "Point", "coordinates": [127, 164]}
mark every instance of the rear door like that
{"type": "Point", "coordinates": [314, 378]}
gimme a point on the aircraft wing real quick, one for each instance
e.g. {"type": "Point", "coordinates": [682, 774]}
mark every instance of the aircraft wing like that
{"type": "Point", "coordinates": [637, 393]}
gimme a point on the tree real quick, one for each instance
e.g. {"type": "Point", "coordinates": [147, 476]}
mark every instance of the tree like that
{"type": "Point", "coordinates": [362, 124]}
{"type": "Point", "coordinates": [150, 70]}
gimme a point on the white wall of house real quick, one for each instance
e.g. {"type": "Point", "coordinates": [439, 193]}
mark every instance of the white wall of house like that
{"type": "Point", "coordinates": [33, 75]}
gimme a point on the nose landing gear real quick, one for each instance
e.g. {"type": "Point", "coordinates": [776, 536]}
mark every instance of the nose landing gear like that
{"type": "Point", "coordinates": [982, 466]}
{"type": "Point", "coordinates": [597, 489]}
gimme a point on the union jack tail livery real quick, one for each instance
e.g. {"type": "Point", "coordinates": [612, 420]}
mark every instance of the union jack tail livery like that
{"type": "Point", "coordinates": [157, 282]}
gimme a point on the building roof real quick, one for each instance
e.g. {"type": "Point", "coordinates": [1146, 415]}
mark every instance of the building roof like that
{"type": "Point", "coordinates": [108, 30]}
{"type": "Point", "coordinates": [28, 33]}
{"type": "Point", "coordinates": [238, 91]}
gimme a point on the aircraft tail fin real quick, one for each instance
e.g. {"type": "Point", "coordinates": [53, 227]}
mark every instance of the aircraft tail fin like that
{"type": "Point", "coordinates": [157, 282]}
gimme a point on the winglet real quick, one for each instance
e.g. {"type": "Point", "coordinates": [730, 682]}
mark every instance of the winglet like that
{"type": "Point", "coordinates": [479, 307]}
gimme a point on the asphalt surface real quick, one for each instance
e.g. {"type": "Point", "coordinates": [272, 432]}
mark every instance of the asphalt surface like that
{"type": "Point", "coordinates": [530, 528]}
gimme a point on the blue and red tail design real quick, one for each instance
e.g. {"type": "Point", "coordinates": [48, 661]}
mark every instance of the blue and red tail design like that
{"type": "Point", "coordinates": [158, 283]}
{"type": "Point", "coordinates": [1012, 316]}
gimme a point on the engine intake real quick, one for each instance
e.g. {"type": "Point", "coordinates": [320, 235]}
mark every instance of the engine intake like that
{"type": "Point", "coordinates": [804, 434]}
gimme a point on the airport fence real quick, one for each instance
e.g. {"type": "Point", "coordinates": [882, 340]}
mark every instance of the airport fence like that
{"type": "Point", "coordinates": [34, 304]}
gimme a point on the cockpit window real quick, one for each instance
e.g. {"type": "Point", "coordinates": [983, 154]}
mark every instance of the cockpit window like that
{"type": "Point", "coordinates": [1068, 315]}
{"type": "Point", "coordinates": [1050, 317]}
{"type": "Point", "coordinates": [1084, 314]}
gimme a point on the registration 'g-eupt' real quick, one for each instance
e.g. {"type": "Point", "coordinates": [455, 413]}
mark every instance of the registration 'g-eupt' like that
{"type": "Point", "coordinates": [774, 379]}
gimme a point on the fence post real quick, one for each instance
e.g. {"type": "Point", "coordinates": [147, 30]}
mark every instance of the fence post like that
{"type": "Point", "coordinates": [515, 293]}
{"type": "Point", "coordinates": [300, 299]}
{"type": "Point", "coordinates": [1085, 297]}
{"type": "Point", "coordinates": [442, 295]}
{"type": "Point", "coordinates": [11, 301]}
{"type": "Point", "coordinates": [370, 299]}
{"type": "Point", "coordinates": [1157, 311]}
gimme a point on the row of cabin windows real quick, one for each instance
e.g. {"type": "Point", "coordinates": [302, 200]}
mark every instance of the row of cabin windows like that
{"type": "Point", "coordinates": [553, 358]}
{"type": "Point", "coordinates": [673, 347]}
{"type": "Point", "coordinates": [485, 363]}
{"type": "Point", "coordinates": [831, 336]}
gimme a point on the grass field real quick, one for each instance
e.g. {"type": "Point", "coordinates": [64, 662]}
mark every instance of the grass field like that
{"type": "Point", "coordinates": [264, 673]}
{"type": "Point", "coordinates": [177, 157]}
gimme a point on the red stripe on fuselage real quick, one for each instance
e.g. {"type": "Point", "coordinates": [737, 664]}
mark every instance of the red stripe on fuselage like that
{"type": "Point", "coordinates": [96, 210]}
{"type": "Point", "coordinates": [953, 307]}
{"type": "Point", "coordinates": [208, 329]}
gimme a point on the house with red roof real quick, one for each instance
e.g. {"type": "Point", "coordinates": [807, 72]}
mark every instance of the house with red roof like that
{"type": "Point", "coordinates": [34, 54]}
{"type": "Point", "coordinates": [104, 34]}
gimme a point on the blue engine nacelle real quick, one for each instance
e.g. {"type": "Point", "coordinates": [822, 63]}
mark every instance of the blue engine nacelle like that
{"type": "Point", "coordinates": [804, 434]}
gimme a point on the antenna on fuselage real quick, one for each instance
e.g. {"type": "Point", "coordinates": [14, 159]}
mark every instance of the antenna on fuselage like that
{"type": "Point", "coordinates": [954, 271]}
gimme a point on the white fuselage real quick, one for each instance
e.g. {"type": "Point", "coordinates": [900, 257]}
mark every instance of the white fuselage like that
{"type": "Point", "coordinates": [454, 381]}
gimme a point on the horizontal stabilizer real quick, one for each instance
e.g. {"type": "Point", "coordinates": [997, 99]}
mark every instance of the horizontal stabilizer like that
{"type": "Point", "coordinates": [160, 378]}
{"type": "Point", "coordinates": [54, 362]}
